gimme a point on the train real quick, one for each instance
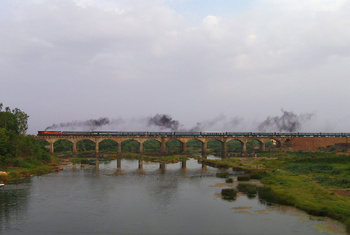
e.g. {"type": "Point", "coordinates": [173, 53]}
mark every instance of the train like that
{"type": "Point", "coordinates": [194, 134]}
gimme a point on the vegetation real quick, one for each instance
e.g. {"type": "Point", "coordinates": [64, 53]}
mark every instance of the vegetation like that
{"type": "Point", "coordinates": [229, 194]}
{"type": "Point", "coordinates": [250, 189]}
{"type": "Point", "coordinates": [229, 180]}
{"type": "Point", "coordinates": [316, 182]}
{"type": "Point", "coordinates": [222, 175]}
{"type": "Point", "coordinates": [20, 155]}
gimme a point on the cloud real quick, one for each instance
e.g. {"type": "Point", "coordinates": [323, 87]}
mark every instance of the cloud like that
{"type": "Point", "coordinates": [68, 60]}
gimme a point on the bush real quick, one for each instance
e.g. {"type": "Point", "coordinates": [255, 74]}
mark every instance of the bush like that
{"type": "Point", "coordinates": [229, 180]}
{"type": "Point", "coordinates": [243, 178]}
{"type": "Point", "coordinates": [229, 194]}
{"type": "Point", "coordinates": [222, 175]}
{"type": "Point", "coordinates": [249, 189]}
{"type": "Point", "coordinates": [85, 161]}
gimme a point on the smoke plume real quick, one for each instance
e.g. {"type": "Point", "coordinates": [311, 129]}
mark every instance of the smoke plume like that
{"type": "Point", "coordinates": [288, 122]}
{"type": "Point", "coordinates": [164, 121]}
{"type": "Point", "coordinates": [91, 124]}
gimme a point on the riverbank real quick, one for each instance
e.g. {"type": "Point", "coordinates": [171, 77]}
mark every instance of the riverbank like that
{"type": "Point", "coordinates": [315, 182]}
{"type": "Point", "coordinates": [26, 169]}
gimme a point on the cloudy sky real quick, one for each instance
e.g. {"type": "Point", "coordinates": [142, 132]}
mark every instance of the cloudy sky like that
{"type": "Point", "coordinates": [229, 62]}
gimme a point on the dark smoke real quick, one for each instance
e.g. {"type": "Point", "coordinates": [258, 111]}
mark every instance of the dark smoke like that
{"type": "Point", "coordinates": [91, 124]}
{"type": "Point", "coordinates": [219, 123]}
{"type": "Point", "coordinates": [288, 122]}
{"type": "Point", "coordinates": [164, 122]}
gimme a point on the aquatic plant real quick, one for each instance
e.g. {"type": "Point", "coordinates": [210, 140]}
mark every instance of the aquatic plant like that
{"type": "Point", "coordinates": [243, 177]}
{"type": "Point", "coordinates": [222, 174]}
{"type": "Point", "coordinates": [247, 188]}
{"type": "Point", "coordinates": [229, 194]}
{"type": "Point", "coordinates": [229, 180]}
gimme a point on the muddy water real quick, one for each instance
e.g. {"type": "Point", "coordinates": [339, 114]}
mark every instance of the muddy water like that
{"type": "Point", "coordinates": [129, 200]}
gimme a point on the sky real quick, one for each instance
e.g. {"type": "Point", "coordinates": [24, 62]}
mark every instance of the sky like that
{"type": "Point", "coordinates": [225, 64]}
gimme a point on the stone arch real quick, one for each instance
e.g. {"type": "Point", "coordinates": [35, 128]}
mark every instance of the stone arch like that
{"type": "Point", "coordinates": [234, 146]}
{"type": "Point", "coordinates": [130, 145]}
{"type": "Point", "coordinates": [194, 145]}
{"type": "Point", "coordinates": [151, 146]}
{"type": "Point", "coordinates": [108, 144]}
{"type": "Point", "coordinates": [215, 146]}
{"type": "Point", "coordinates": [255, 145]}
{"type": "Point", "coordinates": [86, 144]}
{"type": "Point", "coordinates": [62, 145]}
{"type": "Point", "coordinates": [174, 146]}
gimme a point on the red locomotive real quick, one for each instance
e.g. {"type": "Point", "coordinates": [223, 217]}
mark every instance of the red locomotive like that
{"type": "Point", "coordinates": [49, 132]}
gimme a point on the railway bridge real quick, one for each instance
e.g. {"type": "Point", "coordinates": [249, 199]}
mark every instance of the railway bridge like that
{"type": "Point", "coordinates": [289, 141]}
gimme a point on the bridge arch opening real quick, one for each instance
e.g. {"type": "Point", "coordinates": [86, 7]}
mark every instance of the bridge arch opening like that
{"type": "Point", "coordinates": [151, 146]}
{"type": "Point", "coordinates": [130, 146]}
{"type": "Point", "coordinates": [272, 145]}
{"type": "Point", "coordinates": [194, 146]}
{"type": "Point", "coordinates": [108, 145]}
{"type": "Point", "coordinates": [215, 147]}
{"type": "Point", "coordinates": [62, 145]}
{"type": "Point", "coordinates": [234, 147]}
{"type": "Point", "coordinates": [86, 145]}
{"type": "Point", "coordinates": [254, 145]}
{"type": "Point", "coordinates": [174, 146]}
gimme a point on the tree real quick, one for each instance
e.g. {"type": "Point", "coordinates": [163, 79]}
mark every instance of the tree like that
{"type": "Point", "coordinates": [22, 120]}
{"type": "Point", "coordinates": [8, 121]}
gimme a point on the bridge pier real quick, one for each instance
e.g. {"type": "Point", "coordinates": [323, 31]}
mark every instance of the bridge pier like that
{"type": "Point", "coordinates": [162, 166]}
{"type": "Point", "coordinates": [184, 148]}
{"type": "Point", "coordinates": [141, 148]}
{"type": "Point", "coordinates": [119, 163]}
{"type": "Point", "coordinates": [204, 149]}
{"type": "Point", "coordinates": [183, 164]}
{"type": "Point", "coordinates": [162, 146]}
{"type": "Point", "coordinates": [51, 148]}
{"type": "Point", "coordinates": [119, 147]}
{"type": "Point", "coordinates": [244, 147]}
{"type": "Point", "coordinates": [75, 148]}
{"type": "Point", "coordinates": [97, 150]}
{"type": "Point", "coordinates": [140, 165]}
{"type": "Point", "coordinates": [224, 149]}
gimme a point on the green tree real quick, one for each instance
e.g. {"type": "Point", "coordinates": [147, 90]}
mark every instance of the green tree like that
{"type": "Point", "coordinates": [8, 121]}
{"type": "Point", "coordinates": [22, 120]}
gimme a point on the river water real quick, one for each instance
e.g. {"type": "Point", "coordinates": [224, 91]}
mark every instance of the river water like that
{"type": "Point", "coordinates": [127, 200]}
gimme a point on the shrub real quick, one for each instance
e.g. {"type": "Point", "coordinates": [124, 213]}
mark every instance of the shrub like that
{"type": "Point", "coordinates": [222, 175]}
{"type": "Point", "coordinates": [85, 161]}
{"type": "Point", "coordinates": [229, 180]}
{"type": "Point", "coordinates": [255, 176]}
{"type": "Point", "coordinates": [229, 194]}
{"type": "Point", "coordinates": [243, 178]}
{"type": "Point", "coordinates": [249, 189]}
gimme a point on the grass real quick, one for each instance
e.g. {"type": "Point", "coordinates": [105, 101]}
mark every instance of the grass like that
{"type": "Point", "coordinates": [246, 188]}
{"type": "Point", "coordinates": [316, 182]}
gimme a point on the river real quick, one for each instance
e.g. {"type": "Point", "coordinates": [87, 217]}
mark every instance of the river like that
{"type": "Point", "coordinates": [177, 200]}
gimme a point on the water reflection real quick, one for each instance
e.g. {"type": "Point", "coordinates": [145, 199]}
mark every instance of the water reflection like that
{"type": "Point", "coordinates": [135, 196]}
{"type": "Point", "coordinates": [13, 203]}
